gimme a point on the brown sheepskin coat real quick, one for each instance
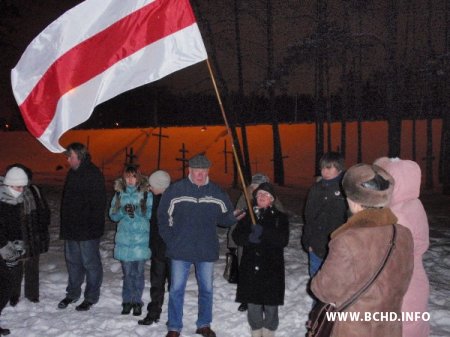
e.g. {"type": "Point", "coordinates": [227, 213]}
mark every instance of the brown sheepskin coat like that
{"type": "Point", "coordinates": [356, 250]}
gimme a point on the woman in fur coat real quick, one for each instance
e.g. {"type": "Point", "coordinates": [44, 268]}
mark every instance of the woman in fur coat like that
{"type": "Point", "coordinates": [406, 206]}
{"type": "Point", "coordinates": [131, 207]}
{"type": "Point", "coordinates": [357, 250]}
{"type": "Point", "coordinates": [261, 271]}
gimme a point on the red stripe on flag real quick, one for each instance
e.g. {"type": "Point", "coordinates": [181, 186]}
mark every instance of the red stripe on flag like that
{"type": "Point", "coordinates": [91, 57]}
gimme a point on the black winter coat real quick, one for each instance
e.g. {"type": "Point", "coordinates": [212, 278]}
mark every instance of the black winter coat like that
{"type": "Point", "coordinates": [325, 210]}
{"type": "Point", "coordinates": [83, 204]}
{"type": "Point", "coordinates": [261, 271]}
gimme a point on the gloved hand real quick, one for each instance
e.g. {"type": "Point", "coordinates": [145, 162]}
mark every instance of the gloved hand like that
{"type": "Point", "coordinates": [255, 235]}
{"type": "Point", "coordinates": [10, 254]}
{"type": "Point", "coordinates": [129, 208]}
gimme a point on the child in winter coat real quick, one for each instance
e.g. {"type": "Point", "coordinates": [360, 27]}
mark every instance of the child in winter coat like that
{"type": "Point", "coordinates": [325, 210]}
{"type": "Point", "coordinates": [261, 271]}
{"type": "Point", "coordinates": [131, 207]}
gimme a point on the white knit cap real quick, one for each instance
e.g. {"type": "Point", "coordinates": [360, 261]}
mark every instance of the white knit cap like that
{"type": "Point", "coordinates": [16, 177]}
{"type": "Point", "coordinates": [159, 179]}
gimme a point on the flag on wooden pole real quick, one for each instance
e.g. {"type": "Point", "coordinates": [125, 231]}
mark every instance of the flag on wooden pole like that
{"type": "Point", "coordinates": [96, 51]}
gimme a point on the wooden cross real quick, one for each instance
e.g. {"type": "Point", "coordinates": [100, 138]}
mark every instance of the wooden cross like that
{"type": "Point", "coordinates": [160, 136]}
{"type": "Point", "coordinates": [183, 159]}
{"type": "Point", "coordinates": [129, 157]}
{"type": "Point", "coordinates": [225, 154]}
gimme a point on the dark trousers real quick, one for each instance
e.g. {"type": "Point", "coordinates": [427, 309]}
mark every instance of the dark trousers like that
{"type": "Point", "coordinates": [29, 271]}
{"type": "Point", "coordinates": [6, 282]}
{"type": "Point", "coordinates": [159, 273]}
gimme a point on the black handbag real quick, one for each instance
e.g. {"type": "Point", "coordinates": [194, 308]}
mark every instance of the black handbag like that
{"type": "Point", "coordinates": [231, 272]}
{"type": "Point", "coordinates": [318, 324]}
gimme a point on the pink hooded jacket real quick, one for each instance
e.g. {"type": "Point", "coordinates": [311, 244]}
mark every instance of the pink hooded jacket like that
{"type": "Point", "coordinates": [407, 207]}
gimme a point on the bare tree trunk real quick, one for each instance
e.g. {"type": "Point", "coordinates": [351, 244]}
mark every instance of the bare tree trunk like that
{"type": "Point", "coordinates": [445, 138]}
{"type": "Point", "coordinates": [394, 121]}
{"type": "Point", "coordinates": [320, 106]}
{"type": "Point", "coordinates": [247, 170]}
{"type": "Point", "coordinates": [359, 90]}
{"type": "Point", "coordinates": [278, 167]}
{"type": "Point", "coordinates": [429, 106]}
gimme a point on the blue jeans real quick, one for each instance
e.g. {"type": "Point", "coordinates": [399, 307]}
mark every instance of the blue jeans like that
{"type": "Point", "coordinates": [83, 260]}
{"type": "Point", "coordinates": [133, 281]}
{"type": "Point", "coordinates": [315, 263]}
{"type": "Point", "coordinates": [179, 276]}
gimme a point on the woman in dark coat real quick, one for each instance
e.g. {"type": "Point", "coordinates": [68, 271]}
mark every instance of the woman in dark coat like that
{"type": "Point", "coordinates": [36, 238]}
{"type": "Point", "coordinates": [261, 271]}
{"type": "Point", "coordinates": [12, 218]}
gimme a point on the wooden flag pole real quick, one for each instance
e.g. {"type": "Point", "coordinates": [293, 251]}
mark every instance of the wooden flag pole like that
{"type": "Point", "coordinates": [236, 158]}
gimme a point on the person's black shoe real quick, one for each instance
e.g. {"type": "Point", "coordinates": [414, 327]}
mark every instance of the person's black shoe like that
{"type": "Point", "coordinates": [84, 306]}
{"type": "Point", "coordinates": [148, 320]}
{"type": "Point", "coordinates": [4, 332]}
{"type": "Point", "coordinates": [137, 309]}
{"type": "Point", "coordinates": [126, 308]}
{"type": "Point", "coordinates": [243, 307]}
{"type": "Point", "coordinates": [13, 301]}
{"type": "Point", "coordinates": [65, 302]}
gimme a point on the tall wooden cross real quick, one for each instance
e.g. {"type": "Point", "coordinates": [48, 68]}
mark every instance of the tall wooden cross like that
{"type": "Point", "coordinates": [129, 157]}
{"type": "Point", "coordinates": [160, 136]}
{"type": "Point", "coordinates": [225, 154]}
{"type": "Point", "coordinates": [183, 159]}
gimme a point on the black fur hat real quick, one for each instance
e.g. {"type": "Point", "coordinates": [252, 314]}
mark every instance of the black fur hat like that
{"type": "Point", "coordinates": [268, 187]}
{"type": "Point", "coordinates": [368, 185]}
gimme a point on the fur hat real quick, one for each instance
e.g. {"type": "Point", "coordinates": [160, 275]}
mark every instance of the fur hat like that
{"type": "Point", "coordinates": [16, 177]}
{"type": "Point", "coordinates": [199, 161]}
{"type": "Point", "coordinates": [368, 185]}
{"type": "Point", "coordinates": [259, 178]}
{"type": "Point", "coordinates": [159, 179]}
{"type": "Point", "coordinates": [267, 187]}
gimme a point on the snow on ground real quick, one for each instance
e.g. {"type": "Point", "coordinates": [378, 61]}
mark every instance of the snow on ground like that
{"type": "Point", "coordinates": [44, 319]}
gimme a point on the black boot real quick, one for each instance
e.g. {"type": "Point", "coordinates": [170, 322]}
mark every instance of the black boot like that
{"type": "Point", "coordinates": [148, 320]}
{"type": "Point", "coordinates": [137, 309]}
{"type": "Point", "coordinates": [126, 308]}
{"type": "Point", "coordinates": [4, 332]}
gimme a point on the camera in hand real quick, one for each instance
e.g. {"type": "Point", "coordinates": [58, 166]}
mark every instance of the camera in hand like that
{"type": "Point", "coordinates": [129, 208]}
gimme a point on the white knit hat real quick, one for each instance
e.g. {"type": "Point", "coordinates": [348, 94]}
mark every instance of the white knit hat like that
{"type": "Point", "coordinates": [16, 177]}
{"type": "Point", "coordinates": [159, 179]}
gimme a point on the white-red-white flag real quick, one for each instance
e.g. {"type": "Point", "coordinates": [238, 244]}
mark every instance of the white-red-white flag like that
{"type": "Point", "coordinates": [94, 52]}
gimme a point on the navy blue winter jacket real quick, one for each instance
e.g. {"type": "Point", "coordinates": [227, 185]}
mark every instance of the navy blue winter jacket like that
{"type": "Point", "coordinates": [188, 216]}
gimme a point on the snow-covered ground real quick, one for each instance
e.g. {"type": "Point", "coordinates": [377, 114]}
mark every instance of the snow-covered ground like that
{"type": "Point", "coordinates": [43, 319]}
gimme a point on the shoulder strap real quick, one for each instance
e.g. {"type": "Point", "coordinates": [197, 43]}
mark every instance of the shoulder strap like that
{"type": "Point", "coordinates": [352, 299]}
{"type": "Point", "coordinates": [144, 202]}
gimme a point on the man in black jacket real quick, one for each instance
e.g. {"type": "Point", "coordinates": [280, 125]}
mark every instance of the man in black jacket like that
{"type": "Point", "coordinates": [82, 224]}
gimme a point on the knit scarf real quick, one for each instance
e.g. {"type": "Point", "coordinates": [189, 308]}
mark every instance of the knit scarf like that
{"type": "Point", "coordinates": [8, 198]}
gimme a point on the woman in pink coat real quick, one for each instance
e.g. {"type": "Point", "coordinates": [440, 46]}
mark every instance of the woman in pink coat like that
{"type": "Point", "coordinates": [407, 207]}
